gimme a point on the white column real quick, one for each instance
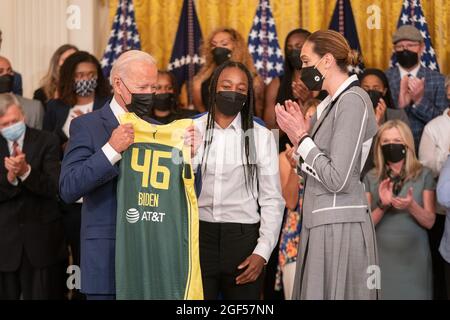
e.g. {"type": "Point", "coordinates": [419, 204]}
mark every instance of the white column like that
{"type": "Point", "coordinates": [34, 29]}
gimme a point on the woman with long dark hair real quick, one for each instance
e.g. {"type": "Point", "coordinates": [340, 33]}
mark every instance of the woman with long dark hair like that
{"type": "Point", "coordinates": [82, 88]}
{"type": "Point", "coordinates": [240, 202]}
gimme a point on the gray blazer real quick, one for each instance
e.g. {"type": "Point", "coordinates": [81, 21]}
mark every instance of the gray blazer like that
{"type": "Point", "coordinates": [34, 112]}
{"type": "Point", "coordinates": [332, 161]}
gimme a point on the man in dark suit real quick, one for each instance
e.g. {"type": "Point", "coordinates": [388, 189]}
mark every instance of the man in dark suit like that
{"type": "Point", "coordinates": [416, 89]}
{"type": "Point", "coordinates": [32, 247]}
{"type": "Point", "coordinates": [90, 168]}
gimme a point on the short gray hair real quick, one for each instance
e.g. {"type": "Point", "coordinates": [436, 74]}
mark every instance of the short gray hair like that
{"type": "Point", "coordinates": [7, 100]}
{"type": "Point", "coordinates": [126, 58]}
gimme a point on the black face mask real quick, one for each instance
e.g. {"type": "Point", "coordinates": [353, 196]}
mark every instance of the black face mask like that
{"type": "Point", "coordinates": [407, 59]}
{"type": "Point", "coordinates": [6, 83]}
{"type": "Point", "coordinates": [164, 101]}
{"type": "Point", "coordinates": [220, 55]}
{"type": "Point", "coordinates": [293, 57]}
{"type": "Point", "coordinates": [375, 96]}
{"type": "Point", "coordinates": [230, 103]}
{"type": "Point", "coordinates": [141, 103]}
{"type": "Point", "coordinates": [312, 78]}
{"type": "Point", "coordinates": [393, 152]}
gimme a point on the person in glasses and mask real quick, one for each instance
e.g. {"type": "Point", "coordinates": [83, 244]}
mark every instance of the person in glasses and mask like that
{"type": "Point", "coordinates": [401, 193]}
{"type": "Point", "coordinates": [90, 167]}
{"type": "Point", "coordinates": [165, 106]}
{"type": "Point", "coordinates": [338, 244]}
{"type": "Point", "coordinates": [240, 202]}
{"type": "Point", "coordinates": [222, 45]}
{"type": "Point", "coordinates": [374, 81]}
{"type": "Point", "coordinates": [416, 89]}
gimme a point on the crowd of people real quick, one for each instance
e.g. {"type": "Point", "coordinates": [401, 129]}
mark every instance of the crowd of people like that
{"type": "Point", "coordinates": [340, 172]}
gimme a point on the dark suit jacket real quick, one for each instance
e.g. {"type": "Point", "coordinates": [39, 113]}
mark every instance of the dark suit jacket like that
{"type": "Point", "coordinates": [29, 216]}
{"type": "Point", "coordinates": [57, 112]}
{"type": "Point", "coordinates": [86, 172]}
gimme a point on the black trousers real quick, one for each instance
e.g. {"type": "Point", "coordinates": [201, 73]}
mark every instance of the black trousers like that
{"type": "Point", "coordinates": [33, 283]}
{"type": "Point", "coordinates": [447, 278]}
{"type": "Point", "coordinates": [223, 247]}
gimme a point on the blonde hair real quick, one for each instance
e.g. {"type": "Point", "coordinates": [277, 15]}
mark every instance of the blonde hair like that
{"type": "Point", "coordinates": [412, 167]}
{"type": "Point", "coordinates": [49, 82]}
{"type": "Point", "coordinates": [240, 53]}
{"type": "Point", "coordinates": [330, 41]}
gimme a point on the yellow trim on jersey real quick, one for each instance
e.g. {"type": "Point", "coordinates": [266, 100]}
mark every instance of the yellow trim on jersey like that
{"type": "Point", "coordinates": [172, 134]}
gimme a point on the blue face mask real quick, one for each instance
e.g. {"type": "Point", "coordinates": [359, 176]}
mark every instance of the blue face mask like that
{"type": "Point", "coordinates": [14, 132]}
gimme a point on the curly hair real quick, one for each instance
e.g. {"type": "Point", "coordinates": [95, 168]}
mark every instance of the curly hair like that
{"type": "Point", "coordinates": [240, 53]}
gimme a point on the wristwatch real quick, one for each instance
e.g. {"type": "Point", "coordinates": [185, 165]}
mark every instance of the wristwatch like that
{"type": "Point", "coordinates": [382, 206]}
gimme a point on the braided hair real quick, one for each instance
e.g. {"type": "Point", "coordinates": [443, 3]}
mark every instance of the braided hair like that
{"type": "Point", "coordinates": [248, 139]}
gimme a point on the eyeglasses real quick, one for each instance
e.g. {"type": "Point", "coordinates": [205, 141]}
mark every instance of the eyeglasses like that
{"type": "Point", "coordinates": [408, 46]}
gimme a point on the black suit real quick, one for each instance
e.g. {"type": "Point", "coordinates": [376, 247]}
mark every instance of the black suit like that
{"type": "Point", "coordinates": [31, 231]}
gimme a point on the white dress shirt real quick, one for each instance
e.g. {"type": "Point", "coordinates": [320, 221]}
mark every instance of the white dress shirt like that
{"type": "Point", "coordinates": [413, 72]}
{"type": "Point", "coordinates": [112, 155]}
{"type": "Point", "coordinates": [308, 144]}
{"type": "Point", "coordinates": [224, 197]}
{"type": "Point", "coordinates": [20, 145]}
{"type": "Point", "coordinates": [85, 108]}
{"type": "Point", "coordinates": [435, 143]}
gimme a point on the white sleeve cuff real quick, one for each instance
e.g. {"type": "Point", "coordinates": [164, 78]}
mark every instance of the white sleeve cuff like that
{"type": "Point", "coordinates": [15, 183]}
{"type": "Point", "coordinates": [305, 147]}
{"type": "Point", "coordinates": [263, 251]}
{"type": "Point", "coordinates": [112, 155]}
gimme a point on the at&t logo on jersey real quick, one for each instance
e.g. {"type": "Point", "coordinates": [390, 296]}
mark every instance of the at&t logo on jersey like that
{"type": "Point", "coordinates": [132, 215]}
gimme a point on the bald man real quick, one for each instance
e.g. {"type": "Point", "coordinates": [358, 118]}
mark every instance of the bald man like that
{"type": "Point", "coordinates": [33, 109]}
{"type": "Point", "coordinates": [90, 168]}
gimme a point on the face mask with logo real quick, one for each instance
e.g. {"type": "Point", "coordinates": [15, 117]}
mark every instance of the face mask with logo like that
{"type": "Point", "coordinates": [221, 55]}
{"type": "Point", "coordinates": [141, 103]}
{"type": "Point", "coordinates": [312, 78]}
{"type": "Point", "coordinates": [14, 132]}
{"type": "Point", "coordinates": [407, 59]}
{"type": "Point", "coordinates": [393, 152]}
{"type": "Point", "coordinates": [375, 96]}
{"type": "Point", "coordinates": [85, 87]}
{"type": "Point", "coordinates": [6, 83]}
{"type": "Point", "coordinates": [164, 101]}
{"type": "Point", "coordinates": [293, 57]}
{"type": "Point", "coordinates": [230, 103]}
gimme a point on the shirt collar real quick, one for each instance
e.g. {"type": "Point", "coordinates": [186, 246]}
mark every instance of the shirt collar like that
{"type": "Point", "coordinates": [344, 86]}
{"type": "Point", "coordinates": [236, 124]}
{"type": "Point", "coordinates": [413, 72]}
{"type": "Point", "coordinates": [446, 113]}
{"type": "Point", "coordinates": [116, 109]}
{"type": "Point", "coordinates": [325, 102]}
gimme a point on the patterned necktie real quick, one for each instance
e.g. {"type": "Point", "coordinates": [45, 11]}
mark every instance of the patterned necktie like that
{"type": "Point", "coordinates": [14, 149]}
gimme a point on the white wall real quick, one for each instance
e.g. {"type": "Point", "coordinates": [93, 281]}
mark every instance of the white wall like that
{"type": "Point", "coordinates": [34, 29]}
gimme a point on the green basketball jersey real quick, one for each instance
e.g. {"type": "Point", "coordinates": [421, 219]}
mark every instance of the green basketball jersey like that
{"type": "Point", "coordinates": [157, 248]}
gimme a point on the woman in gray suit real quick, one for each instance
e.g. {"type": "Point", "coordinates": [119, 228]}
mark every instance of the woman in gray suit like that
{"type": "Point", "coordinates": [337, 253]}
